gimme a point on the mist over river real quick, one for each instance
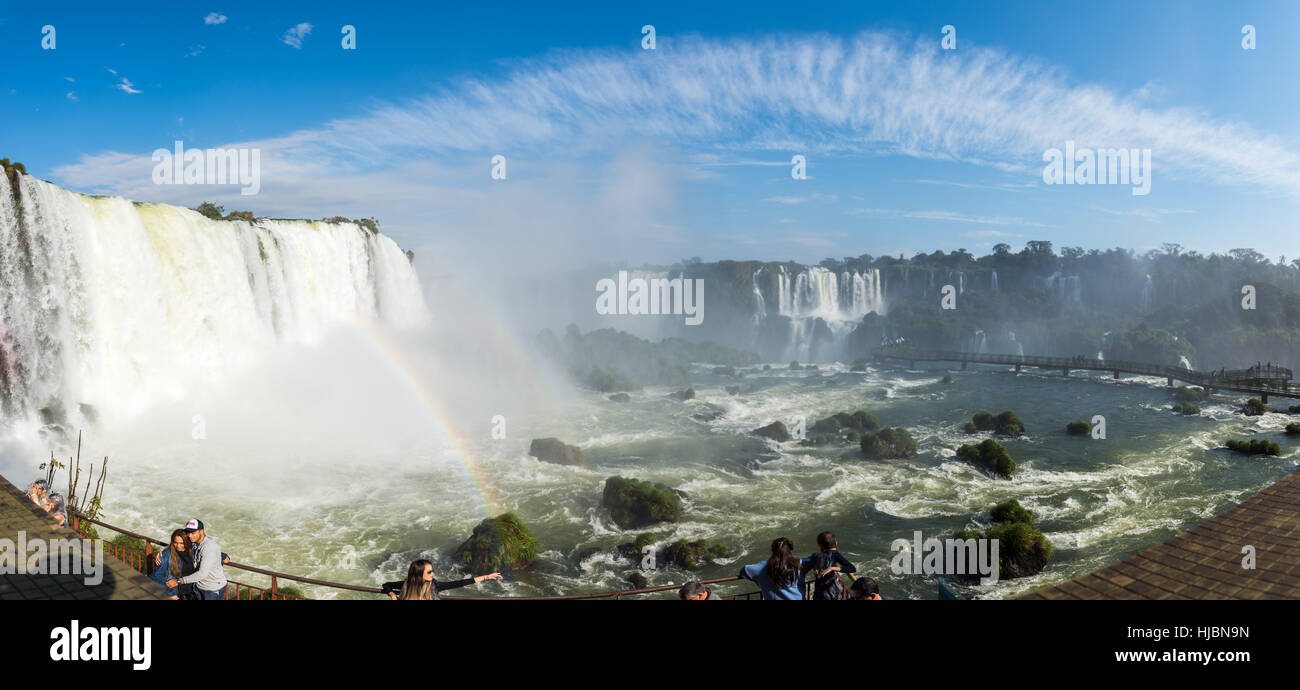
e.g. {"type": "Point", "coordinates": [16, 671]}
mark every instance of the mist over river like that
{"type": "Point", "coordinates": [359, 516]}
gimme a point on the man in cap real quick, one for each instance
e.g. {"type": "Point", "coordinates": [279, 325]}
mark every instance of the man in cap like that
{"type": "Point", "coordinates": [209, 579]}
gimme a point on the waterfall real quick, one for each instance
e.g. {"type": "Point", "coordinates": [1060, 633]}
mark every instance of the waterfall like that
{"type": "Point", "coordinates": [815, 292]}
{"type": "Point", "coordinates": [1067, 288]}
{"type": "Point", "coordinates": [1183, 361]}
{"type": "Point", "coordinates": [994, 283]}
{"type": "Point", "coordinates": [1148, 289]}
{"type": "Point", "coordinates": [1100, 358]}
{"type": "Point", "coordinates": [119, 306]}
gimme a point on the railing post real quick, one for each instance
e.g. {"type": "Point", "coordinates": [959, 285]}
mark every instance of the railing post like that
{"type": "Point", "coordinates": [275, 588]}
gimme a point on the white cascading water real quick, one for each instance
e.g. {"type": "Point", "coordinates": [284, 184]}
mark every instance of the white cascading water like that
{"type": "Point", "coordinates": [118, 305]}
{"type": "Point", "coordinates": [839, 299]}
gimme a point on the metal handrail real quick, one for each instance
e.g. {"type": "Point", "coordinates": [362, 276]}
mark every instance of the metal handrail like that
{"type": "Point", "coordinates": [120, 553]}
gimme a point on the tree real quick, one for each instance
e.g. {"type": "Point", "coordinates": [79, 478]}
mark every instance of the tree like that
{"type": "Point", "coordinates": [210, 210]}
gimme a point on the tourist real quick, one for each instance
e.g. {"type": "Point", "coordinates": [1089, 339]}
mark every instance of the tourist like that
{"type": "Point", "coordinates": [828, 563]}
{"type": "Point", "coordinates": [177, 561]}
{"type": "Point", "coordinates": [54, 505]}
{"type": "Point", "coordinates": [37, 490]}
{"type": "Point", "coordinates": [780, 577]}
{"type": "Point", "coordinates": [419, 583]}
{"type": "Point", "coordinates": [696, 591]}
{"type": "Point", "coordinates": [865, 589]}
{"type": "Point", "coordinates": [208, 578]}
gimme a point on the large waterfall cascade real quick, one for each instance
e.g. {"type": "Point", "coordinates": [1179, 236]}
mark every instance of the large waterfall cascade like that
{"type": "Point", "coordinates": [815, 292]}
{"type": "Point", "coordinates": [117, 306]}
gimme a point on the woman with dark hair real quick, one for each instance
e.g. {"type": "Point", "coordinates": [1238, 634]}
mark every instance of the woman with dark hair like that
{"type": "Point", "coordinates": [54, 505]}
{"type": "Point", "coordinates": [781, 576]}
{"type": "Point", "coordinates": [173, 563]}
{"type": "Point", "coordinates": [419, 583]}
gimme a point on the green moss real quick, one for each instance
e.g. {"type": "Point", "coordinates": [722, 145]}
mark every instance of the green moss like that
{"type": "Point", "coordinates": [636, 503]}
{"type": "Point", "coordinates": [1012, 511]}
{"type": "Point", "coordinates": [1293, 429]}
{"type": "Point", "coordinates": [1256, 446]}
{"type": "Point", "coordinates": [1253, 407]}
{"type": "Point", "coordinates": [859, 421]}
{"type": "Point", "coordinates": [1008, 424]}
{"type": "Point", "coordinates": [775, 431]}
{"type": "Point", "coordinates": [693, 555]}
{"type": "Point", "coordinates": [991, 456]}
{"type": "Point", "coordinates": [983, 421]}
{"type": "Point", "coordinates": [1186, 408]}
{"type": "Point", "coordinates": [888, 443]}
{"type": "Point", "coordinates": [1078, 428]}
{"type": "Point", "coordinates": [1022, 550]}
{"type": "Point", "coordinates": [970, 428]}
{"type": "Point", "coordinates": [499, 544]}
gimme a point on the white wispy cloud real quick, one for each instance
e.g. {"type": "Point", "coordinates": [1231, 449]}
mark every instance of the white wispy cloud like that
{"type": "Point", "coordinates": [195, 50]}
{"type": "Point", "coordinates": [815, 196]}
{"type": "Point", "coordinates": [293, 37]}
{"type": "Point", "coordinates": [126, 86]}
{"type": "Point", "coordinates": [1151, 215]}
{"type": "Point", "coordinates": [950, 216]}
{"type": "Point", "coordinates": [214, 18]}
{"type": "Point", "coordinates": [72, 96]}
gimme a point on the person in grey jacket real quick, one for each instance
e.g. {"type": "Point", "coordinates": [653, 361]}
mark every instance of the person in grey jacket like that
{"type": "Point", "coordinates": [209, 579]}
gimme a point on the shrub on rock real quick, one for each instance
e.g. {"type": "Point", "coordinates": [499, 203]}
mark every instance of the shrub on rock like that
{"type": "Point", "coordinates": [1256, 446]}
{"type": "Point", "coordinates": [1078, 428]}
{"type": "Point", "coordinates": [989, 455]}
{"type": "Point", "coordinates": [635, 503]}
{"type": "Point", "coordinates": [888, 443]}
{"type": "Point", "coordinates": [693, 555]}
{"type": "Point", "coordinates": [499, 544]}
{"type": "Point", "coordinates": [1293, 430]}
{"type": "Point", "coordinates": [1253, 407]}
{"type": "Point", "coordinates": [1186, 408]}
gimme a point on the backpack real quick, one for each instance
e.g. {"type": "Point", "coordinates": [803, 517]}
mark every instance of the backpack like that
{"type": "Point", "coordinates": [829, 587]}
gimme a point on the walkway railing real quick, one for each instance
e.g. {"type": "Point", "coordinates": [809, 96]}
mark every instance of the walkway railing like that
{"type": "Point", "coordinates": [143, 561]}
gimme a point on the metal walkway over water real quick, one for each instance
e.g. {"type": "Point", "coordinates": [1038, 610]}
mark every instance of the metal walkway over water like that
{"type": "Point", "coordinates": [1262, 380]}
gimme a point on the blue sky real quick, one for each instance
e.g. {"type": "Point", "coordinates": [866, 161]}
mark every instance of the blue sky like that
{"type": "Point", "coordinates": [615, 152]}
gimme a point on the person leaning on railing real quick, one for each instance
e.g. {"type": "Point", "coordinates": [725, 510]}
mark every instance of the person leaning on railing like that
{"type": "Point", "coordinates": [420, 584]}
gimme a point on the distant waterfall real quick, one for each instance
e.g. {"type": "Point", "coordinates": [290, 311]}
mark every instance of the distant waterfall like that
{"type": "Point", "coordinates": [1148, 291]}
{"type": "Point", "coordinates": [839, 299]}
{"type": "Point", "coordinates": [1067, 288]}
{"type": "Point", "coordinates": [994, 281]}
{"type": "Point", "coordinates": [116, 306]}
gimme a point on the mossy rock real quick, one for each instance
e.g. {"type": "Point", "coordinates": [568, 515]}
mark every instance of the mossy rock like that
{"type": "Point", "coordinates": [859, 421]}
{"type": "Point", "coordinates": [947, 379]}
{"type": "Point", "coordinates": [1186, 408]}
{"type": "Point", "coordinates": [1011, 511]}
{"type": "Point", "coordinates": [775, 431]}
{"type": "Point", "coordinates": [970, 428]}
{"type": "Point", "coordinates": [499, 544]}
{"type": "Point", "coordinates": [688, 394]}
{"type": "Point", "coordinates": [1253, 407]}
{"type": "Point", "coordinates": [1022, 550]}
{"type": "Point", "coordinates": [692, 555]}
{"type": "Point", "coordinates": [553, 450]}
{"type": "Point", "coordinates": [983, 421]}
{"type": "Point", "coordinates": [636, 503]}
{"type": "Point", "coordinates": [637, 581]}
{"type": "Point", "coordinates": [1293, 430]}
{"type": "Point", "coordinates": [1078, 428]}
{"type": "Point", "coordinates": [990, 456]}
{"type": "Point", "coordinates": [1256, 446]}
{"type": "Point", "coordinates": [852, 437]}
{"type": "Point", "coordinates": [620, 398]}
{"type": "Point", "coordinates": [1008, 424]}
{"type": "Point", "coordinates": [888, 443]}
{"type": "Point", "coordinates": [1190, 394]}
{"type": "Point", "coordinates": [859, 365]}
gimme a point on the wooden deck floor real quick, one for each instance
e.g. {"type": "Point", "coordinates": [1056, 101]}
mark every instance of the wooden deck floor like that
{"type": "Point", "coordinates": [1206, 561]}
